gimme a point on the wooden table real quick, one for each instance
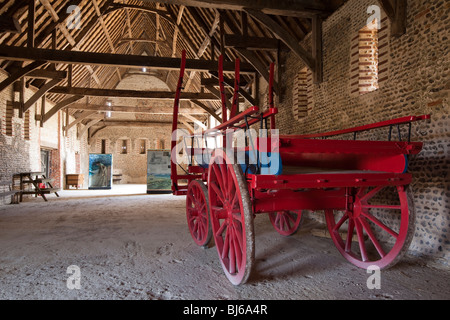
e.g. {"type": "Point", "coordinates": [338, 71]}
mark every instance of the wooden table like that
{"type": "Point", "coordinates": [28, 180]}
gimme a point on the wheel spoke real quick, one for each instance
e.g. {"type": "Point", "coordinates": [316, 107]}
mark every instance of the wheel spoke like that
{"type": "Point", "coordinates": [201, 209]}
{"type": "Point", "coordinates": [232, 253]}
{"type": "Point", "coordinates": [391, 207]}
{"type": "Point", "coordinates": [348, 241]}
{"type": "Point", "coordinates": [286, 225]}
{"type": "Point", "coordinates": [223, 172]}
{"type": "Point", "coordinates": [218, 191]}
{"type": "Point", "coordinates": [239, 235]}
{"type": "Point", "coordinates": [369, 195]}
{"type": "Point", "coordinates": [362, 246]}
{"type": "Point", "coordinates": [226, 244]}
{"type": "Point", "coordinates": [291, 217]}
{"type": "Point", "coordinates": [221, 229]}
{"type": "Point", "coordinates": [238, 249]}
{"type": "Point", "coordinates": [277, 219]}
{"type": "Point", "coordinates": [361, 191]}
{"type": "Point", "coordinates": [341, 221]}
{"type": "Point", "coordinates": [372, 237]}
{"type": "Point", "coordinates": [200, 230]}
{"type": "Point", "coordinates": [217, 174]}
{"type": "Point", "coordinates": [380, 224]}
{"type": "Point", "coordinates": [230, 184]}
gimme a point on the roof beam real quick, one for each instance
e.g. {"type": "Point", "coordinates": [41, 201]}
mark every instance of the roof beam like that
{"type": "Point", "coordinates": [108, 59]}
{"type": "Point", "coordinates": [129, 109]}
{"type": "Point", "coordinates": [47, 74]}
{"type": "Point", "coordinates": [134, 123]}
{"type": "Point", "coordinates": [115, 93]}
{"type": "Point", "coordinates": [295, 8]}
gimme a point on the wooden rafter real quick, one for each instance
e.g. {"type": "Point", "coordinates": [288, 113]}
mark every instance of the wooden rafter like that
{"type": "Point", "coordinates": [106, 33]}
{"type": "Point", "coordinates": [83, 116]}
{"type": "Point", "coordinates": [31, 27]}
{"type": "Point", "coordinates": [87, 126]}
{"type": "Point", "coordinates": [66, 33]}
{"type": "Point", "coordinates": [43, 90]}
{"type": "Point", "coordinates": [59, 106]}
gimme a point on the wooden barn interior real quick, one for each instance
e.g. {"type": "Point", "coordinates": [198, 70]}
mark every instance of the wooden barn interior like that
{"type": "Point", "coordinates": [85, 80]}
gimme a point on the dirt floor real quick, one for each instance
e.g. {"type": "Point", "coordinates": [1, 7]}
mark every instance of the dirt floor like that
{"type": "Point", "coordinates": [137, 246]}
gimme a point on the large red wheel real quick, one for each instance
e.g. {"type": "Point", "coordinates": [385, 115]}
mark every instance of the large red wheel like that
{"type": "Point", "coordinates": [378, 227]}
{"type": "Point", "coordinates": [286, 223]}
{"type": "Point", "coordinates": [197, 213]}
{"type": "Point", "coordinates": [231, 217]}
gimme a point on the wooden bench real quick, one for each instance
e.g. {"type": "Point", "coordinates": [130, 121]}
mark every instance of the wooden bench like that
{"type": "Point", "coordinates": [9, 192]}
{"type": "Point", "coordinates": [36, 180]}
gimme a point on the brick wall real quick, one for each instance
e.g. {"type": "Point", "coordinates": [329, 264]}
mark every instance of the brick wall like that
{"type": "Point", "coordinates": [21, 140]}
{"type": "Point", "coordinates": [415, 81]}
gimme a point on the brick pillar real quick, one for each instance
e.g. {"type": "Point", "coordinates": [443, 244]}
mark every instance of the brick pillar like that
{"type": "Point", "coordinates": [55, 168]}
{"type": "Point", "coordinates": [55, 160]}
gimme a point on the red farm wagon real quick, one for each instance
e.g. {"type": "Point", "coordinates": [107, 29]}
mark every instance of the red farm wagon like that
{"type": "Point", "coordinates": [243, 167]}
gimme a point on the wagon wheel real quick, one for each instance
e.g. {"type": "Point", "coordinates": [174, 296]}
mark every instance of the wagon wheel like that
{"type": "Point", "coordinates": [231, 217]}
{"type": "Point", "coordinates": [197, 213]}
{"type": "Point", "coordinates": [379, 226]}
{"type": "Point", "coordinates": [286, 223]}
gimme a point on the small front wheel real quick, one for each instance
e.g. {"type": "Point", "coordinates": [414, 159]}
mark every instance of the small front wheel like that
{"type": "Point", "coordinates": [197, 213]}
{"type": "Point", "coordinates": [286, 223]}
